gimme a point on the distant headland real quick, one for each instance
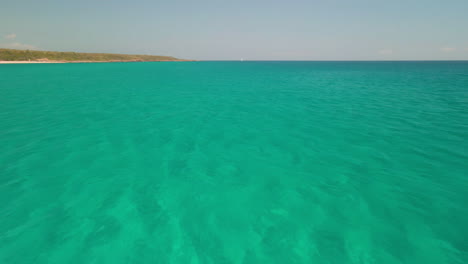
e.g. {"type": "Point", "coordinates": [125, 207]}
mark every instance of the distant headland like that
{"type": "Point", "coordinates": [36, 56]}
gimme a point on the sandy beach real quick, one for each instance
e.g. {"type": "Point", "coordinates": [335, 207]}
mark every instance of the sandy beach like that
{"type": "Point", "coordinates": [50, 61]}
{"type": "Point", "coordinates": [21, 62]}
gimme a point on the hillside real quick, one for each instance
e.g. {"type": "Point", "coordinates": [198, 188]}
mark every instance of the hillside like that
{"type": "Point", "coordinates": [44, 56]}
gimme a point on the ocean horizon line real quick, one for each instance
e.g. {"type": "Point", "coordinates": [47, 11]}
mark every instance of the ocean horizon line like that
{"type": "Point", "coordinates": [339, 60]}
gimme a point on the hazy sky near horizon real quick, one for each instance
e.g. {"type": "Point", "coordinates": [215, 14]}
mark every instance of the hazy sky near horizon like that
{"type": "Point", "coordinates": [249, 29]}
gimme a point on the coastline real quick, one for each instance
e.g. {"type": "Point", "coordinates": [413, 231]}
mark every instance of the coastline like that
{"type": "Point", "coordinates": [21, 62]}
{"type": "Point", "coordinates": [14, 56]}
{"type": "Point", "coordinates": [51, 61]}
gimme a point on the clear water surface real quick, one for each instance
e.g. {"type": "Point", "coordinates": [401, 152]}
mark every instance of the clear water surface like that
{"type": "Point", "coordinates": [234, 162]}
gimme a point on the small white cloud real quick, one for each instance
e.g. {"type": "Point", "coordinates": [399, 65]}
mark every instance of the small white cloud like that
{"type": "Point", "coordinates": [447, 49]}
{"type": "Point", "coordinates": [386, 51]}
{"type": "Point", "coordinates": [17, 45]}
{"type": "Point", "coordinates": [10, 36]}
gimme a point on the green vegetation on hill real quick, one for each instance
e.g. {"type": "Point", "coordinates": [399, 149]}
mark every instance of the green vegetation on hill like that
{"type": "Point", "coordinates": [34, 55]}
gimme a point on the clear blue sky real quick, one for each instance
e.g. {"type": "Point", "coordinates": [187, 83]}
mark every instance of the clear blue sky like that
{"type": "Point", "coordinates": [249, 29]}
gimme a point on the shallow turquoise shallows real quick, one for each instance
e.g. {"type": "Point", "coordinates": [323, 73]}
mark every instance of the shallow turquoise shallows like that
{"type": "Point", "coordinates": [234, 162]}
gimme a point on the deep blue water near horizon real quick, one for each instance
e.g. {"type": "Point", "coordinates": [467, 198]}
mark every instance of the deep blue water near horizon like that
{"type": "Point", "coordinates": [234, 162]}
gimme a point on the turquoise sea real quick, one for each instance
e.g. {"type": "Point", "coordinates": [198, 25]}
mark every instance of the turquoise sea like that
{"type": "Point", "coordinates": [234, 162]}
